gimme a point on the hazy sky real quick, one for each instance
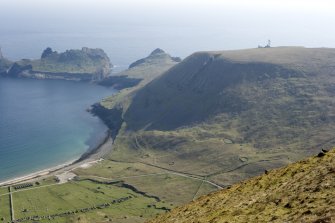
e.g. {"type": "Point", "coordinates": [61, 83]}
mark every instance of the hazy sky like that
{"type": "Point", "coordinates": [197, 24]}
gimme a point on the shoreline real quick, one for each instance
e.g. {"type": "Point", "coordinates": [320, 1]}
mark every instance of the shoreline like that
{"type": "Point", "coordinates": [91, 155]}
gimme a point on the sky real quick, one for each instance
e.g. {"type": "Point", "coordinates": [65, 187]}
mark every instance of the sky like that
{"type": "Point", "coordinates": [181, 26]}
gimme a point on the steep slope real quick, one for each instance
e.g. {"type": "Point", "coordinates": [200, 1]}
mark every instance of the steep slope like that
{"type": "Point", "coordinates": [85, 64]}
{"type": "Point", "coordinates": [301, 192]}
{"type": "Point", "coordinates": [129, 81]}
{"type": "Point", "coordinates": [229, 115]}
{"type": "Point", "coordinates": [221, 81]}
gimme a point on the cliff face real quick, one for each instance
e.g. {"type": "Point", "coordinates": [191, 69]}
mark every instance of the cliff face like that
{"type": "Point", "coordinates": [111, 117]}
{"type": "Point", "coordinates": [4, 64]}
{"type": "Point", "coordinates": [82, 65]}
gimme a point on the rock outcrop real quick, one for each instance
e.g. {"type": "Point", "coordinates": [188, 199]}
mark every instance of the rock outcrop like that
{"type": "Point", "coordinates": [156, 54]}
{"type": "Point", "coordinates": [4, 64]}
{"type": "Point", "coordinates": [142, 70]}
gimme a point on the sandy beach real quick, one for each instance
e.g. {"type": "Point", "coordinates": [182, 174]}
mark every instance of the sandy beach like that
{"type": "Point", "coordinates": [88, 158]}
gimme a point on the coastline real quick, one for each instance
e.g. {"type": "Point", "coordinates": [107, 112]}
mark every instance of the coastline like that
{"type": "Point", "coordinates": [90, 156]}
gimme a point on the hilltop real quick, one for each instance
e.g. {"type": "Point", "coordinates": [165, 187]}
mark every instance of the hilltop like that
{"type": "Point", "coordinates": [301, 192]}
{"type": "Point", "coordinates": [85, 64]}
{"type": "Point", "coordinates": [143, 70]}
{"type": "Point", "coordinates": [154, 58]}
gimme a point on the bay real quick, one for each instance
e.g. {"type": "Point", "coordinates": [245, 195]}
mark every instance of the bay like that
{"type": "Point", "coordinates": [44, 123]}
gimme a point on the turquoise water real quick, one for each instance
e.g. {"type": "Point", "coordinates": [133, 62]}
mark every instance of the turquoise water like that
{"type": "Point", "coordinates": [44, 123]}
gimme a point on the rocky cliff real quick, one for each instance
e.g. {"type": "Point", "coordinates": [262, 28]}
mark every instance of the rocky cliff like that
{"type": "Point", "coordinates": [4, 64]}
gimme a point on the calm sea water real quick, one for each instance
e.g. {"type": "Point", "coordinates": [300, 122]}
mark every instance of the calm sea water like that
{"type": "Point", "coordinates": [44, 123]}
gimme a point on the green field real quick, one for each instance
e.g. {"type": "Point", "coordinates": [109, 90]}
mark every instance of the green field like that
{"type": "Point", "coordinates": [121, 192]}
{"type": "Point", "coordinates": [169, 186]}
{"type": "Point", "coordinates": [4, 205]}
{"type": "Point", "coordinates": [76, 196]}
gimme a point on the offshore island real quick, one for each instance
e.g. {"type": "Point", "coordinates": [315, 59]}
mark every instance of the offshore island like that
{"type": "Point", "coordinates": [182, 129]}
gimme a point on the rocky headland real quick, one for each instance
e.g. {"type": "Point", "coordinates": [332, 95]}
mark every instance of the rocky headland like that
{"type": "Point", "coordinates": [79, 65]}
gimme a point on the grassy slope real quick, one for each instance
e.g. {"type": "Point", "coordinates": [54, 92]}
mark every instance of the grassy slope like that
{"type": "Point", "coordinates": [152, 67]}
{"type": "Point", "coordinates": [301, 192]}
{"type": "Point", "coordinates": [207, 84]}
{"type": "Point", "coordinates": [229, 115]}
{"type": "Point", "coordinates": [177, 190]}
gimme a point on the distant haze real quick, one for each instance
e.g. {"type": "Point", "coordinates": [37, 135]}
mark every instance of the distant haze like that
{"type": "Point", "coordinates": [130, 29]}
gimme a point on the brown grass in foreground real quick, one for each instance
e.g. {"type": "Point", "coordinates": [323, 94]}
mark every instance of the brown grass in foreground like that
{"type": "Point", "coordinates": [301, 192]}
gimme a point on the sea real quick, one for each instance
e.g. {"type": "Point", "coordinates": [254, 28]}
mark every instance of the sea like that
{"type": "Point", "coordinates": [44, 123]}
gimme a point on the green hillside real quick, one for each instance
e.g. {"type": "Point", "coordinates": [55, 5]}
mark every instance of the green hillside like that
{"type": "Point", "coordinates": [229, 115]}
{"type": "Point", "coordinates": [300, 192]}
{"type": "Point", "coordinates": [232, 82]}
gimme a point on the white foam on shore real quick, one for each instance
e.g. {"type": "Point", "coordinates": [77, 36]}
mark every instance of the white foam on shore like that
{"type": "Point", "coordinates": [84, 164]}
